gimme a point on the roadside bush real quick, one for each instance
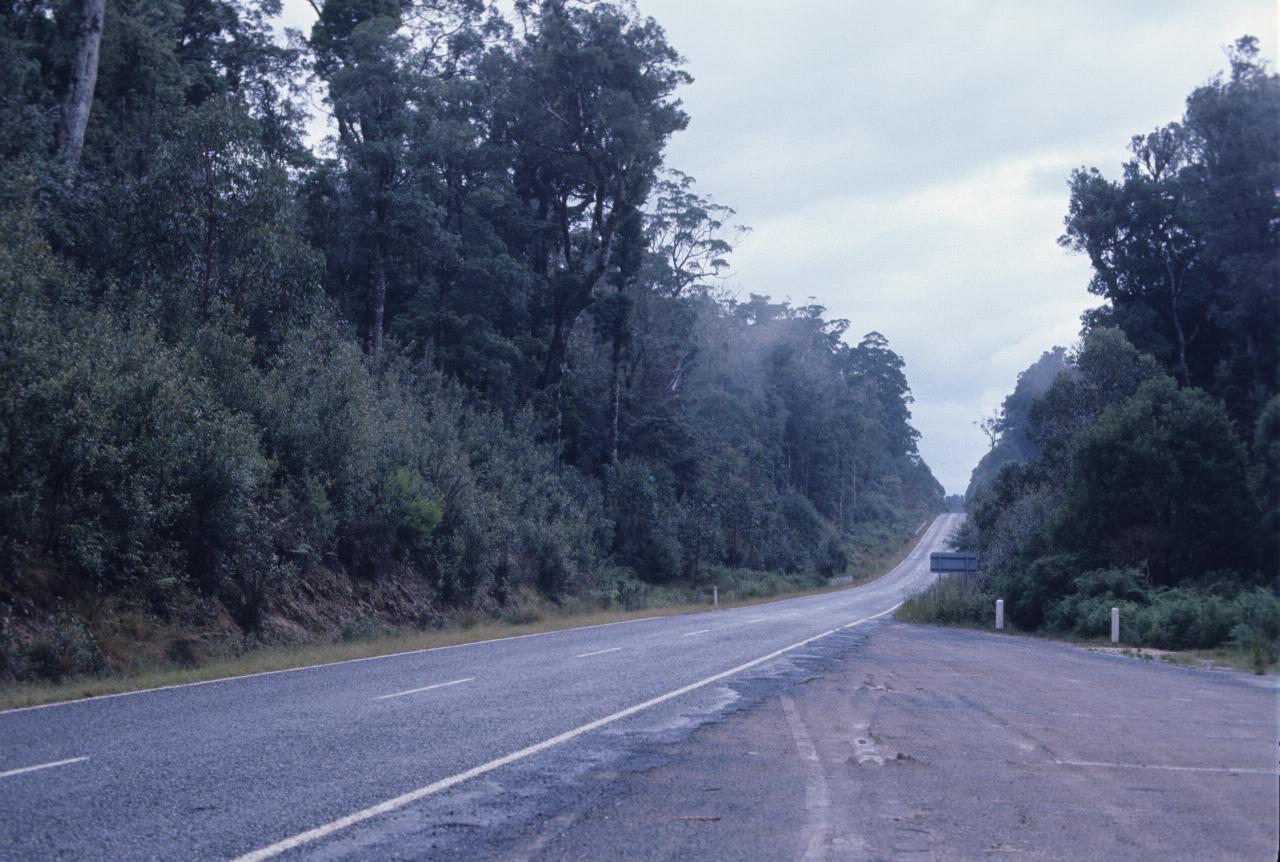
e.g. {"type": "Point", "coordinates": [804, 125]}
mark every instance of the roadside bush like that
{"type": "Point", "coordinates": [410, 510]}
{"type": "Point", "coordinates": [1166, 618]}
{"type": "Point", "coordinates": [646, 520]}
{"type": "Point", "coordinates": [1031, 593]}
{"type": "Point", "coordinates": [1185, 619]}
{"type": "Point", "coordinates": [948, 601]}
{"type": "Point", "coordinates": [67, 649]}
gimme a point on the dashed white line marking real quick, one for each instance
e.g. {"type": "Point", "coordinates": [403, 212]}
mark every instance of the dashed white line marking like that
{"type": "Point", "coordinates": [39, 766]}
{"type": "Point", "coordinates": [759, 620]}
{"type": "Point", "coordinates": [425, 688]}
{"type": "Point", "coordinates": [324, 830]}
{"type": "Point", "coordinates": [598, 652]}
{"type": "Point", "coordinates": [698, 632]}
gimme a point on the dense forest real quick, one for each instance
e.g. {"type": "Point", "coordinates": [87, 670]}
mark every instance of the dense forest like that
{"type": "Point", "coordinates": [1142, 469]}
{"type": "Point", "coordinates": [471, 348]}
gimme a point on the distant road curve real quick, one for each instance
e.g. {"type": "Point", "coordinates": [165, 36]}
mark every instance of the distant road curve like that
{"type": "Point", "coordinates": [285, 764]}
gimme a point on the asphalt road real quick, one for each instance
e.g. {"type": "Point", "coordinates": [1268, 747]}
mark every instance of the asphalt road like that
{"type": "Point", "coordinates": [447, 752]}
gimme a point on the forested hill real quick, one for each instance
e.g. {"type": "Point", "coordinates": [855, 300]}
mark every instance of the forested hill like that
{"type": "Point", "coordinates": [469, 350]}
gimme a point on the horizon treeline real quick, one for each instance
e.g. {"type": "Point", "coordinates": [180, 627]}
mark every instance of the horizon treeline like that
{"type": "Point", "coordinates": [473, 345]}
{"type": "Point", "coordinates": [1141, 469]}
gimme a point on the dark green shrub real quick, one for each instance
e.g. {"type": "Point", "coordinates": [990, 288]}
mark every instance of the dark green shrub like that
{"type": "Point", "coordinates": [1031, 593]}
{"type": "Point", "coordinates": [411, 510]}
{"type": "Point", "coordinates": [66, 649]}
{"type": "Point", "coordinates": [646, 521]}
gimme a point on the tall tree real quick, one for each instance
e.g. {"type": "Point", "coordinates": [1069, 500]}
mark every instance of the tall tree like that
{"type": "Point", "coordinates": [361, 54]}
{"type": "Point", "coordinates": [588, 111]}
{"type": "Point", "coordinates": [84, 77]}
{"type": "Point", "coordinates": [1186, 247]}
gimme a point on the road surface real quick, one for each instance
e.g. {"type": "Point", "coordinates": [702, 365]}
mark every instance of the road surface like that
{"type": "Point", "coordinates": [413, 755]}
{"type": "Point", "coordinates": [814, 728]}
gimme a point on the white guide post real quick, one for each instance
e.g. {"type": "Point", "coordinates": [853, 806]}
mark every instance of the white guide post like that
{"type": "Point", "coordinates": [1115, 625]}
{"type": "Point", "coordinates": [715, 597]}
{"type": "Point", "coordinates": [999, 614]}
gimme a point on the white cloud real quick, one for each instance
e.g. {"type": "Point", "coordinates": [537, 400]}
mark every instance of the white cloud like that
{"type": "Point", "coordinates": [906, 164]}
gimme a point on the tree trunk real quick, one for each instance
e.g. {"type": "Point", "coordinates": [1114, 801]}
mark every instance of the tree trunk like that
{"type": "Point", "coordinates": [616, 407]}
{"type": "Point", "coordinates": [1176, 281]}
{"type": "Point", "coordinates": [377, 303]}
{"type": "Point", "coordinates": [84, 76]}
{"type": "Point", "coordinates": [557, 364]}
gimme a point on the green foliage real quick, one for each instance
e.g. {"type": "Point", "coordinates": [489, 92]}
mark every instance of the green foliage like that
{"type": "Point", "coordinates": [1143, 478]}
{"type": "Point", "coordinates": [67, 649]}
{"type": "Point", "coordinates": [240, 377]}
{"type": "Point", "coordinates": [1185, 248]}
{"type": "Point", "coordinates": [411, 511]}
{"type": "Point", "coordinates": [1264, 480]}
{"type": "Point", "coordinates": [646, 525]}
{"type": "Point", "coordinates": [1161, 480]}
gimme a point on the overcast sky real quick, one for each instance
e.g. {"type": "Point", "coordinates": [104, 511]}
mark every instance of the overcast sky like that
{"type": "Point", "coordinates": [905, 163]}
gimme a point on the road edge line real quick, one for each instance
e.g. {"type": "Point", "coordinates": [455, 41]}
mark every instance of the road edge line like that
{"type": "Point", "coordinates": [326, 829]}
{"type": "Point", "coordinates": [24, 769]}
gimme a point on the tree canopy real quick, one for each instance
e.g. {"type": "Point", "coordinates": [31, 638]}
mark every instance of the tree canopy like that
{"type": "Point", "coordinates": [1139, 469]}
{"type": "Point", "coordinates": [471, 347]}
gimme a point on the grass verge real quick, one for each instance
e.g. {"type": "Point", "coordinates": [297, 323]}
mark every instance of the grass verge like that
{"type": "Point", "coordinates": [951, 602]}
{"type": "Point", "coordinates": [293, 657]}
{"type": "Point", "coordinates": [947, 601]}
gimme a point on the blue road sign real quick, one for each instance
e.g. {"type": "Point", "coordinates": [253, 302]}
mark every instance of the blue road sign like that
{"type": "Point", "coordinates": [953, 561]}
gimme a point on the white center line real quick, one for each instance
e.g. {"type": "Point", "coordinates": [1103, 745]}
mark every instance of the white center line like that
{"type": "Point", "coordinates": [698, 632]}
{"type": "Point", "coordinates": [42, 766]}
{"type": "Point", "coordinates": [598, 652]}
{"type": "Point", "coordinates": [759, 620]}
{"type": "Point", "coordinates": [404, 799]}
{"type": "Point", "coordinates": [424, 688]}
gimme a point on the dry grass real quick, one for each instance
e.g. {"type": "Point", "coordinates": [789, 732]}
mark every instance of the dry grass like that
{"type": "Point", "coordinates": [1213, 659]}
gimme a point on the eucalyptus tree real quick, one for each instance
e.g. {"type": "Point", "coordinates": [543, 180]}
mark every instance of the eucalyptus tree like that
{"type": "Point", "coordinates": [587, 112]}
{"type": "Point", "coordinates": [84, 76]}
{"type": "Point", "coordinates": [363, 56]}
{"type": "Point", "coordinates": [1185, 247]}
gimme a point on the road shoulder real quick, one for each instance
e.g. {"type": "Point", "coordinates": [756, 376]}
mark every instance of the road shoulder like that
{"type": "Point", "coordinates": [953, 744]}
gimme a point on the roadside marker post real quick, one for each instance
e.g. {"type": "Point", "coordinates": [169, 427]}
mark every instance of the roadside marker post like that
{"type": "Point", "coordinates": [1115, 625]}
{"type": "Point", "coordinates": [999, 614]}
{"type": "Point", "coordinates": [715, 597]}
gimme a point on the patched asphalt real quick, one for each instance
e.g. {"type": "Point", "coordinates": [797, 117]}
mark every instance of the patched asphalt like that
{"type": "Point", "coordinates": [927, 743]}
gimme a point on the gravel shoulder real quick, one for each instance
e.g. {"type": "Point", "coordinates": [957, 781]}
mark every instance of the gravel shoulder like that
{"type": "Point", "coordinates": [939, 743]}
